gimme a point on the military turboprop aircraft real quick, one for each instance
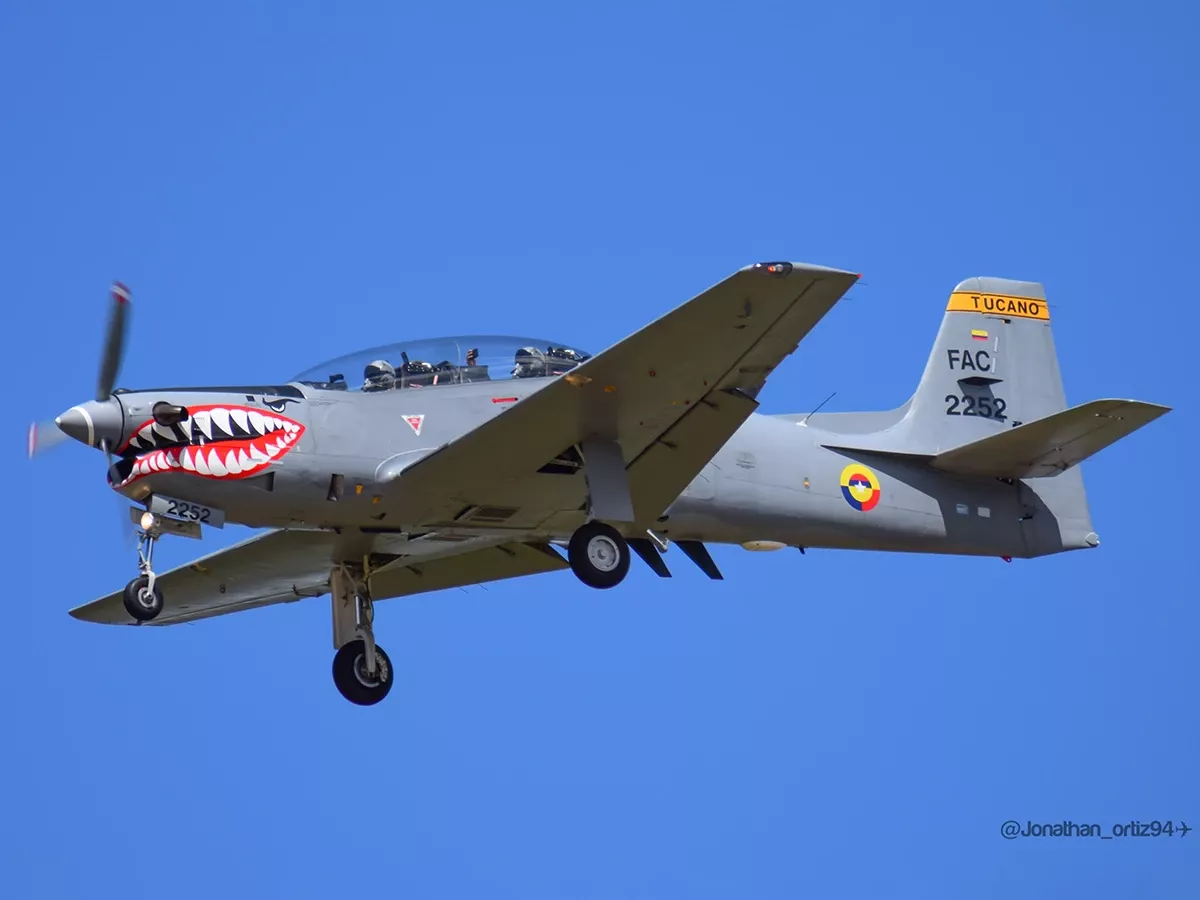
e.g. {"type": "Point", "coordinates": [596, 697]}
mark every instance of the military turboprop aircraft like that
{"type": "Point", "coordinates": [433, 464]}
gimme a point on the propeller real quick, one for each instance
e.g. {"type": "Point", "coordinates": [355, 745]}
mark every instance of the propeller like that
{"type": "Point", "coordinates": [46, 434]}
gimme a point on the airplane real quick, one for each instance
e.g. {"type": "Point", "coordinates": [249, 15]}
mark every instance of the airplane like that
{"type": "Point", "coordinates": [465, 460]}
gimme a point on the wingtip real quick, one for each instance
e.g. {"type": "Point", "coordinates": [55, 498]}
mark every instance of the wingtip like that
{"type": "Point", "coordinates": [781, 269]}
{"type": "Point", "coordinates": [89, 613]}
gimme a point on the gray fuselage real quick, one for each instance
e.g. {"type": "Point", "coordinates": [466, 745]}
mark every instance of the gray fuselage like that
{"type": "Point", "coordinates": [775, 480]}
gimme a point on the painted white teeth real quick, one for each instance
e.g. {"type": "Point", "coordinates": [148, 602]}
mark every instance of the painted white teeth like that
{"type": "Point", "coordinates": [203, 422]}
{"type": "Point", "coordinates": [269, 437]}
{"type": "Point", "coordinates": [215, 466]}
{"type": "Point", "coordinates": [220, 418]}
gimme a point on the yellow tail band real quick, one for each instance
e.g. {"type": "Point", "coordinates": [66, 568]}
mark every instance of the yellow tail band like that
{"type": "Point", "coordinates": [999, 305]}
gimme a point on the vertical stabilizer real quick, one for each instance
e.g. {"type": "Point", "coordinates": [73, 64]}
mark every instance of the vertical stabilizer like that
{"type": "Point", "coordinates": [993, 366]}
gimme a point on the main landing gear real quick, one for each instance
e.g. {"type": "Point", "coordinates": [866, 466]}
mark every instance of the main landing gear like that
{"type": "Point", "coordinates": [362, 672]}
{"type": "Point", "coordinates": [142, 597]}
{"type": "Point", "coordinates": [598, 555]}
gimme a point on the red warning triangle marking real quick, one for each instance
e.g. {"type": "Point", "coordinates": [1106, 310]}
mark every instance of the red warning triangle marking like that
{"type": "Point", "coordinates": [415, 422]}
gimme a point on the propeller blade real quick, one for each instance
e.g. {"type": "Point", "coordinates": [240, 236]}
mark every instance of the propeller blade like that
{"type": "Point", "coordinates": [128, 534]}
{"type": "Point", "coordinates": [128, 531]}
{"type": "Point", "coordinates": [112, 468]}
{"type": "Point", "coordinates": [118, 321]}
{"type": "Point", "coordinates": [42, 436]}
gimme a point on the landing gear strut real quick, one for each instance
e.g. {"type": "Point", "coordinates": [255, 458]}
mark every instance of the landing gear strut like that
{"type": "Point", "coordinates": [143, 598]}
{"type": "Point", "coordinates": [362, 672]}
{"type": "Point", "coordinates": [598, 555]}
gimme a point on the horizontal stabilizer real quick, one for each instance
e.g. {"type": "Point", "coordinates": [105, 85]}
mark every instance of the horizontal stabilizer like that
{"type": "Point", "coordinates": [1051, 444]}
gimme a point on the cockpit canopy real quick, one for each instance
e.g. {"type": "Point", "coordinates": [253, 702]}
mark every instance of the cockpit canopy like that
{"type": "Point", "coordinates": [441, 361]}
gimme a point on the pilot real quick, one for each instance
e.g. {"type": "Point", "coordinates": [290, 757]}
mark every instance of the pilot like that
{"type": "Point", "coordinates": [562, 359]}
{"type": "Point", "coordinates": [530, 363]}
{"type": "Point", "coordinates": [379, 376]}
{"type": "Point", "coordinates": [417, 373]}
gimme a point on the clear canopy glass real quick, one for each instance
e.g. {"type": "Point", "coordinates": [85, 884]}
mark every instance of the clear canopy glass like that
{"type": "Point", "coordinates": [441, 361]}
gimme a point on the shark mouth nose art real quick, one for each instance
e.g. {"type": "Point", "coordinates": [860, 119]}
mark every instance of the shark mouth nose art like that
{"type": "Point", "coordinates": [217, 441]}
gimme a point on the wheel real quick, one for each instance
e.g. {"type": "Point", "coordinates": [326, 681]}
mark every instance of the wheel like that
{"type": "Point", "coordinates": [598, 555]}
{"type": "Point", "coordinates": [350, 674]}
{"type": "Point", "coordinates": [140, 602]}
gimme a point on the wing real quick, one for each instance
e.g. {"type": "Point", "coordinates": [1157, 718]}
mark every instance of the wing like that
{"type": "Point", "coordinates": [285, 566]}
{"type": "Point", "coordinates": [669, 396]}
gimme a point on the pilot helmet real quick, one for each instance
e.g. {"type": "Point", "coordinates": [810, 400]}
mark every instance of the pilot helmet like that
{"type": "Point", "coordinates": [379, 376]}
{"type": "Point", "coordinates": [530, 362]}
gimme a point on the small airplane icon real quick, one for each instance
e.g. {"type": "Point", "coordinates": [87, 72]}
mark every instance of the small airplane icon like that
{"type": "Point", "coordinates": [516, 449]}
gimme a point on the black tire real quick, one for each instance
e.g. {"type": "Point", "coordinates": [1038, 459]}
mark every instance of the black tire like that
{"type": "Point", "coordinates": [350, 674]}
{"type": "Point", "coordinates": [598, 555]}
{"type": "Point", "coordinates": [143, 605]}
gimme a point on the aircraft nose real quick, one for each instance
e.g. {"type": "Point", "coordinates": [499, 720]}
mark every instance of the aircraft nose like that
{"type": "Point", "coordinates": [92, 422]}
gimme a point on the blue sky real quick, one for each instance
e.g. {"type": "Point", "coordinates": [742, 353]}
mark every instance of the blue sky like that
{"type": "Point", "coordinates": [281, 183]}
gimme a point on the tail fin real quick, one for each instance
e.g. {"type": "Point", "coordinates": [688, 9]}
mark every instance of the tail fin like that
{"type": "Point", "coordinates": [993, 366]}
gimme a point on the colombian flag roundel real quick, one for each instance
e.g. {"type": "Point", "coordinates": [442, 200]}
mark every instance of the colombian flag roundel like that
{"type": "Point", "coordinates": [860, 487]}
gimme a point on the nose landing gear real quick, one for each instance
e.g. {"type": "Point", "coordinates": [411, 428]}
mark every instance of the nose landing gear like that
{"type": "Point", "coordinates": [142, 597]}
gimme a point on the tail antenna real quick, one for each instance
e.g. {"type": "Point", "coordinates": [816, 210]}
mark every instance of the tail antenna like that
{"type": "Point", "coordinates": [819, 405]}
